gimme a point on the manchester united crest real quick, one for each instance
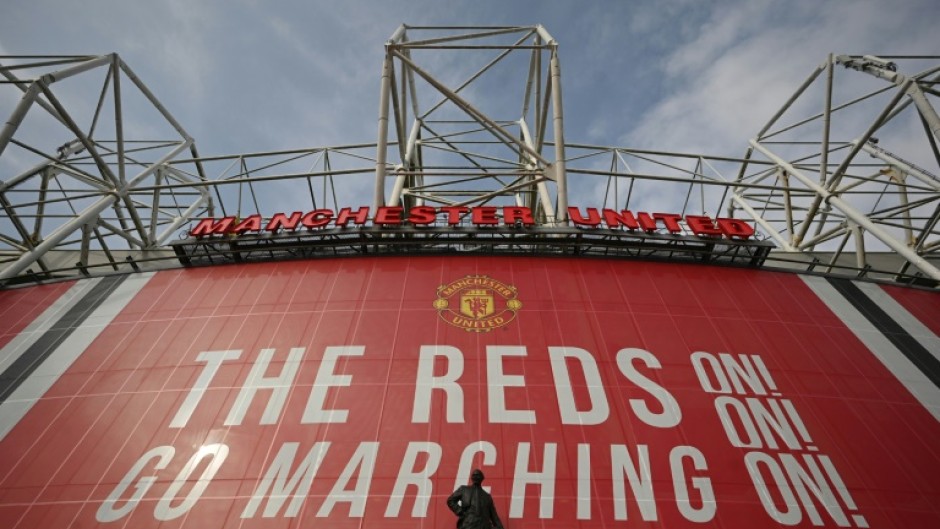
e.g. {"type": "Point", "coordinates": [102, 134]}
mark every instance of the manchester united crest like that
{"type": "Point", "coordinates": [477, 303]}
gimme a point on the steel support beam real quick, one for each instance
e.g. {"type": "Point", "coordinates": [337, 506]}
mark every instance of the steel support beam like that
{"type": "Point", "coordinates": [858, 217]}
{"type": "Point", "coordinates": [382, 148]}
{"type": "Point", "coordinates": [561, 178]}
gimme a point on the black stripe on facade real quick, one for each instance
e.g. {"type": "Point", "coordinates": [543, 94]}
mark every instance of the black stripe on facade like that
{"type": "Point", "coordinates": [39, 351]}
{"type": "Point", "coordinates": [892, 330]}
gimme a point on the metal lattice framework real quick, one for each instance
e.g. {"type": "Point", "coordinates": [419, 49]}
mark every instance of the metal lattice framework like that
{"type": "Point", "coordinates": [99, 181]}
{"type": "Point", "coordinates": [102, 181]}
{"type": "Point", "coordinates": [834, 185]}
{"type": "Point", "coordinates": [455, 150]}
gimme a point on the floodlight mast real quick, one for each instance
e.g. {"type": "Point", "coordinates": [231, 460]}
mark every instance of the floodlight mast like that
{"type": "Point", "coordinates": [525, 176]}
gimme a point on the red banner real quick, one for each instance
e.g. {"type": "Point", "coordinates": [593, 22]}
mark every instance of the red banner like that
{"type": "Point", "coordinates": [362, 392]}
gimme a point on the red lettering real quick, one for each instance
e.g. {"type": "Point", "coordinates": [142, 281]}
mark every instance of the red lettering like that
{"type": "Point", "coordinates": [422, 215]}
{"type": "Point", "coordinates": [453, 213]}
{"type": "Point", "coordinates": [702, 225]}
{"type": "Point", "coordinates": [646, 222]}
{"type": "Point", "coordinates": [388, 215]}
{"type": "Point", "coordinates": [625, 218]}
{"type": "Point", "coordinates": [317, 218]}
{"type": "Point", "coordinates": [484, 215]}
{"type": "Point", "coordinates": [280, 220]}
{"type": "Point", "coordinates": [519, 214]}
{"type": "Point", "coordinates": [735, 228]}
{"type": "Point", "coordinates": [251, 223]}
{"type": "Point", "coordinates": [593, 218]}
{"type": "Point", "coordinates": [211, 227]}
{"type": "Point", "coordinates": [346, 214]}
{"type": "Point", "coordinates": [670, 221]}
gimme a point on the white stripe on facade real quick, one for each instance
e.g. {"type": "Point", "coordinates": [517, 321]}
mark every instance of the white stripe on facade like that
{"type": "Point", "coordinates": [903, 369]}
{"type": "Point", "coordinates": [30, 391]}
{"type": "Point", "coordinates": [28, 336]}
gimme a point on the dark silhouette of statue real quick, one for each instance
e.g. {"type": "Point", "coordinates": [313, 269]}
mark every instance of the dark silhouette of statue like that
{"type": "Point", "coordinates": [473, 505]}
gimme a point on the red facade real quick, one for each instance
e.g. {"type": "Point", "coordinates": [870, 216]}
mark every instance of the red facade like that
{"type": "Point", "coordinates": [620, 394]}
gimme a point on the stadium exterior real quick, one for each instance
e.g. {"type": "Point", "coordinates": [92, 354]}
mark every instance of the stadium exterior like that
{"type": "Point", "coordinates": [716, 342]}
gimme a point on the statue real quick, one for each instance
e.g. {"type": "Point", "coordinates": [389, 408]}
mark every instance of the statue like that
{"type": "Point", "coordinates": [473, 505]}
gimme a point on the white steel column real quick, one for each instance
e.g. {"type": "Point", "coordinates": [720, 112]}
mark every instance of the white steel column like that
{"type": "Point", "coordinates": [382, 147]}
{"type": "Point", "coordinates": [559, 128]}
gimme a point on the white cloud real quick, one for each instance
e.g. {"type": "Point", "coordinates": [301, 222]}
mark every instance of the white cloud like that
{"type": "Point", "coordinates": [725, 82]}
{"type": "Point", "coordinates": [723, 29]}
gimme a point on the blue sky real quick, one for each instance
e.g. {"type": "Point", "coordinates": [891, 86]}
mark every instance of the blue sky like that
{"type": "Point", "coordinates": [683, 75]}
